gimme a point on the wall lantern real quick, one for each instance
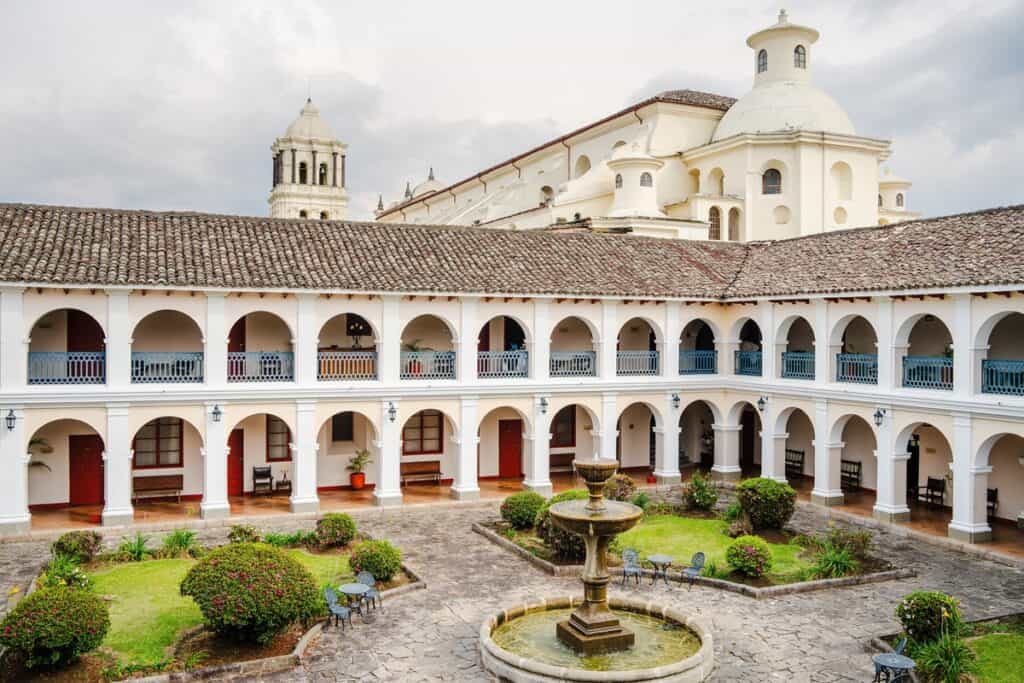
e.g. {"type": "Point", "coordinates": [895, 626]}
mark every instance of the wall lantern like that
{"type": "Point", "coordinates": [675, 401]}
{"type": "Point", "coordinates": [392, 411]}
{"type": "Point", "coordinates": [879, 416]}
{"type": "Point", "coordinates": [216, 413]}
{"type": "Point", "coordinates": [10, 419]}
{"type": "Point", "coordinates": [761, 403]}
{"type": "Point", "coordinates": [543, 405]}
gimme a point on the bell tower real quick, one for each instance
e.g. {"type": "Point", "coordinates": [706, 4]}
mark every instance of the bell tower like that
{"type": "Point", "coordinates": [308, 165]}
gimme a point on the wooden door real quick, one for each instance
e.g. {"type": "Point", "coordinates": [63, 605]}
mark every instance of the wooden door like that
{"type": "Point", "coordinates": [236, 337]}
{"type": "Point", "coordinates": [236, 462]}
{"type": "Point", "coordinates": [747, 440]}
{"type": "Point", "coordinates": [483, 342]}
{"type": "Point", "coordinates": [510, 448]}
{"type": "Point", "coordinates": [83, 333]}
{"type": "Point", "coordinates": [85, 453]}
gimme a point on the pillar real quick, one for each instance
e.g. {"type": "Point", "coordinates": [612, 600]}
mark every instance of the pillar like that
{"type": "Point", "coordinates": [216, 346]}
{"type": "Point", "coordinates": [827, 490]}
{"type": "Point", "coordinates": [964, 366]}
{"type": "Point", "coordinates": [388, 491]}
{"type": "Point", "coordinates": [305, 342]}
{"type": "Point", "coordinates": [666, 454]}
{"type": "Point", "coordinates": [117, 468]}
{"type": "Point", "coordinates": [389, 344]}
{"type": "Point", "coordinates": [314, 175]}
{"type": "Point", "coordinates": [465, 486]}
{"type": "Point", "coordinates": [970, 479]}
{"type": "Point", "coordinates": [609, 433]}
{"type": "Point", "coordinates": [293, 166]}
{"type": "Point", "coordinates": [466, 347]}
{"type": "Point", "coordinates": [118, 339]}
{"type": "Point", "coordinates": [727, 452]}
{"type": "Point", "coordinates": [890, 358]}
{"type": "Point", "coordinates": [14, 514]}
{"type": "Point", "coordinates": [215, 503]}
{"type": "Point", "coordinates": [334, 169]}
{"type": "Point", "coordinates": [773, 446]}
{"type": "Point", "coordinates": [607, 352]}
{"type": "Point", "coordinates": [769, 351]}
{"type": "Point", "coordinates": [726, 349]}
{"type": "Point", "coordinates": [891, 489]}
{"type": "Point", "coordinates": [538, 471]}
{"type": "Point", "coordinates": [539, 344]}
{"type": "Point", "coordinates": [304, 454]}
{"type": "Point", "coordinates": [824, 355]}
{"type": "Point", "coordinates": [13, 341]}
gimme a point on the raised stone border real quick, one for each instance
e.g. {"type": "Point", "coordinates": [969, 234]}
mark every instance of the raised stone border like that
{"type": "Point", "coordinates": [511, 667]}
{"type": "Point", "coordinates": [741, 589]}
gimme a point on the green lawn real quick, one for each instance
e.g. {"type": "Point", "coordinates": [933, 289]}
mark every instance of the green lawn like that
{"type": "Point", "coordinates": [1000, 657]}
{"type": "Point", "coordinates": [147, 613]}
{"type": "Point", "coordinates": [681, 537]}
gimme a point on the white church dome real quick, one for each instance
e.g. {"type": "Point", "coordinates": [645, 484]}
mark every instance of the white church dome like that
{"type": "Point", "coordinates": [429, 185]}
{"type": "Point", "coordinates": [784, 106]}
{"type": "Point", "coordinates": [309, 124]}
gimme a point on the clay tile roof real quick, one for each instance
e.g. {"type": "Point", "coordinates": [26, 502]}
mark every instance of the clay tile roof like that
{"type": "Point", "coordinates": [697, 99]}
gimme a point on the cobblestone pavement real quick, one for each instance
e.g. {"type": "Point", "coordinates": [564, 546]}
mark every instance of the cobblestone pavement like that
{"type": "Point", "coordinates": [431, 635]}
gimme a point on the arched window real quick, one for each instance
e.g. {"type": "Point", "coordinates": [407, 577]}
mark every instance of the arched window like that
{"type": "Point", "coordinates": [303, 173]}
{"type": "Point", "coordinates": [582, 165]}
{"type": "Point", "coordinates": [646, 180]}
{"type": "Point", "coordinates": [618, 180]}
{"type": "Point", "coordinates": [303, 214]}
{"type": "Point", "coordinates": [771, 182]}
{"type": "Point", "coordinates": [734, 225]}
{"type": "Point", "coordinates": [322, 180]}
{"type": "Point", "coordinates": [879, 201]}
{"type": "Point", "coordinates": [762, 61]}
{"type": "Point", "coordinates": [546, 195]}
{"type": "Point", "coordinates": [800, 57]}
{"type": "Point", "coordinates": [715, 221]}
{"type": "Point", "coordinates": [323, 215]}
{"type": "Point", "coordinates": [899, 200]}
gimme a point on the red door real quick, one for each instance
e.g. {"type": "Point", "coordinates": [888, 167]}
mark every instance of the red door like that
{"type": "Point", "coordinates": [85, 453]}
{"type": "Point", "coordinates": [236, 459]}
{"type": "Point", "coordinates": [236, 337]}
{"type": "Point", "coordinates": [510, 448]}
{"type": "Point", "coordinates": [84, 333]}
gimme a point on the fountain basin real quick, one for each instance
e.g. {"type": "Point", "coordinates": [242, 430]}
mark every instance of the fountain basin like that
{"type": "Point", "coordinates": [679, 645]}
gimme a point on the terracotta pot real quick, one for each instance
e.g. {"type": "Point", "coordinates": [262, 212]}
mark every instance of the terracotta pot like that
{"type": "Point", "coordinates": [357, 480]}
{"type": "Point", "coordinates": [651, 479]}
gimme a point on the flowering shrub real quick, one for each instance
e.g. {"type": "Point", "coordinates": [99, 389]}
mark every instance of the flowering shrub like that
{"type": "Point", "coordinates": [335, 529]}
{"type": "Point", "coordinates": [699, 494]}
{"type": "Point", "coordinates": [55, 625]}
{"type": "Point", "coordinates": [520, 509]}
{"type": "Point", "coordinates": [243, 533]}
{"type": "Point", "coordinates": [564, 544]}
{"type": "Point", "coordinates": [380, 558]}
{"type": "Point", "coordinates": [64, 570]}
{"type": "Point", "coordinates": [251, 591]}
{"type": "Point", "coordinates": [81, 545]}
{"type": "Point", "coordinates": [749, 555]}
{"type": "Point", "coordinates": [619, 487]}
{"type": "Point", "coordinates": [926, 614]}
{"type": "Point", "coordinates": [768, 503]}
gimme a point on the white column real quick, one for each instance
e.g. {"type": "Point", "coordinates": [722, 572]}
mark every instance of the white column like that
{"type": "Point", "coordinates": [304, 454]}
{"type": "Point", "coordinates": [823, 353]}
{"type": "Point", "coordinates": [539, 345]}
{"type": "Point", "coordinates": [14, 514]}
{"type": "Point", "coordinates": [773, 446]}
{"type": "Point", "coordinates": [607, 362]}
{"type": "Point", "coordinates": [117, 468]}
{"type": "Point", "coordinates": [389, 345]}
{"type": "Point", "coordinates": [827, 454]}
{"type": "Point", "coordinates": [467, 347]}
{"type": "Point", "coordinates": [964, 367]}
{"type": "Point", "coordinates": [609, 431]}
{"type": "Point", "coordinates": [465, 486]}
{"type": "Point", "coordinates": [726, 349]}
{"type": "Point", "coordinates": [13, 340]}
{"type": "Point", "coordinates": [668, 347]}
{"type": "Point", "coordinates": [538, 474]}
{"type": "Point", "coordinates": [305, 343]}
{"type": "Point", "coordinates": [216, 349]}
{"type": "Point", "coordinates": [118, 339]}
{"type": "Point", "coordinates": [890, 359]}
{"type": "Point", "coordinates": [666, 454]}
{"type": "Point", "coordinates": [389, 490]}
{"type": "Point", "coordinates": [727, 452]}
{"type": "Point", "coordinates": [768, 346]}
{"type": "Point", "coordinates": [891, 489]}
{"type": "Point", "coordinates": [215, 503]}
{"type": "Point", "coordinates": [970, 522]}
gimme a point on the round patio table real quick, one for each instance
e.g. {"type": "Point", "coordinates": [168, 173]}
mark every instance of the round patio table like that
{"type": "Point", "coordinates": [357, 591]}
{"type": "Point", "coordinates": [893, 666]}
{"type": "Point", "coordinates": [661, 564]}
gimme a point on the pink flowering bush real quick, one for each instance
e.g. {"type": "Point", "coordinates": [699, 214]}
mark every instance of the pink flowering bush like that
{"type": "Point", "coordinates": [251, 591]}
{"type": "Point", "coordinates": [750, 556]}
{"type": "Point", "coordinates": [55, 625]}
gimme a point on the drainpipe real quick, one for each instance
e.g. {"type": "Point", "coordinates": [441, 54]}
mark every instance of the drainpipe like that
{"type": "Point", "coordinates": [568, 161]}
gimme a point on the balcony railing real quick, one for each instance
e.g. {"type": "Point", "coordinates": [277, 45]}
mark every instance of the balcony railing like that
{"type": "Point", "coordinates": [261, 366]}
{"type": "Point", "coordinates": [67, 367]}
{"type": "Point", "coordinates": [928, 372]}
{"type": "Point", "coordinates": [427, 365]}
{"type": "Point", "coordinates": [1002, 377]}
{"type": "Point", "coordinates": [636, 363]}
{"type": "Point", "coordinates": [748, 363]}
{"type": "Point", "coordinates": [346, 365]}
{"type": "Point", "coordinates": [798, 364]}
{"type": "Point", "coordinates": [573, 364]}
{"type": "Point", "coordinates": [491, 364]}
{"type": "Point", "coordinates": [172, 366]}
{"type": "Point", "coordinates": [698, 362]}
{"type": "Point", "coordinates": [860, 368]}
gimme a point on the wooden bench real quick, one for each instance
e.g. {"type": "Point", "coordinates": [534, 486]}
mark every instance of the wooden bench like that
{"type": "Point", "coordinates": [561, 462]}
{"type": "Point", "coordinates": [794, 463]}
{"type": "Point", "coordinates": [424, 470]}
{"type": "Point", "coordinates": [849, 474]}
{"type": "Point", "coordinates": [158, 486]}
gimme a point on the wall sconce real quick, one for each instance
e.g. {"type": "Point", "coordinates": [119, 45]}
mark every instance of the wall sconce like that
{"type": "Point", "coordinates": [392, 411]}
{"type": "Point", "coordinates": [675, 401]}
{"type": "Point", "coordinates": [216, 413]}
{"type": "Point", "coordinates": [10, 420]}
{"type": "Point", "coordinates": [761, 403]}
{"type": "Point", "coordinates": [543, 405]}
{"type": "Point", "coordinates": [879, 416]}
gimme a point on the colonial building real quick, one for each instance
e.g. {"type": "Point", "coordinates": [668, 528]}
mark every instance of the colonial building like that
{"type": "Point", "coordinates": [782, 161]}
{"type": "Point", "coordinates": [176, 355]}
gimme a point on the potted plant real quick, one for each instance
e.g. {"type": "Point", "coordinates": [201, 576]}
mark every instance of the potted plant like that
{"type": "Point", "coordinates": [356, 464]}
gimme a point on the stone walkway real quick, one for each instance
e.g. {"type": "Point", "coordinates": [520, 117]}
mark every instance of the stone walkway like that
{"type": "Point", "coordinates": [431, 635]}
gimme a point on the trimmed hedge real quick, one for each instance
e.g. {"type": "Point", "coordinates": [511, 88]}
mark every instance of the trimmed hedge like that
{"type": "Point", "coordinates": [768, 503]}
{"type": "Point", "coordinates": [380, 558]}
{"type": "Point", "coordinates": [749, 555]}
{"type": "Point", "coordinates": [565, 545]}
{"type": "Point", "coordinates": [81, 545]}
{"type": "Point", "coordinates": [699, 493]}
{"type": "Point", "coordinates": [335, 529]}
{"type": "Point", "coordinates": [54, 626]}
{"type": "Point", "coordinates": [925, 614]}
{"type": "Point", "coordinates": [251, 591]}
{"type": "Point", "coordinates": [520, 509]}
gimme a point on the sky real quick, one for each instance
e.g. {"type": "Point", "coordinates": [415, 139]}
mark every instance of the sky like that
{"type": "Point", "coordinates": [174, 106]}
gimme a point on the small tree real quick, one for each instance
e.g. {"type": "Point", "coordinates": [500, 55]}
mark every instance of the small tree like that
{"type": "Point", "coordinates": [335, 529]}
{"type": "Point", "coordinates": [520, 509]}
{"type": "Point", "coordinates": [768, 503]}
{"type": "Point", "coordinates": [54, 626]}
{"type": "Point", "coordinates": [380, 558]}
{"type": "Point", "coordinates": [750, 556]}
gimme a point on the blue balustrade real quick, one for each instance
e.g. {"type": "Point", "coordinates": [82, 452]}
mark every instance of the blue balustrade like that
{"type": "Point", "coordinates": [427, 365]}
{"type": "Point", "coordinates": [748, 363]}
{"type": "Point", "coordinates": [261, 366]}
{"type": "Point", "coordinates": [573, 364]}
{"type": "Point", "coordinates": [859, 368]}
{"type": "Point", "coordinates": [928, 372]}
{"type": "Point", "coordinates": [698, 362]}
{"type": "Point", "coordinates": [167, 366]}
{"type": "Point", "coordinates": [492, 364]}
{"type": "Point", "coordinates": [346, 365]}
{"type": "Point", "coordinates": [67, 367]}
{"type": "Point", "coordinates": [1002, 377]}
{"type": "Point", "coordinates": [636, 363]}
{"type": "Point", "coordinates": [798, 364]}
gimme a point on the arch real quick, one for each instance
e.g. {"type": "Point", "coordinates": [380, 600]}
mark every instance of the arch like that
{"type": "Point", "coordinates": [347, 328]}
{"type": "Point", "coordinates": [638, 425]}
{"type": "Point", "coordinates": [714, 223]}
{"type": "Point", "coordinates": [256, 310]}
{"type": "Point", "coordinates": [865, 340]}
{"type": "Point", "coordinates": [523, 415]}
{"type": "Point", "coordinates": [899, 200]}
{"type": "Point", "coordinates": [652, 325]}
{"type": "Point", "coordinates": [449, 326]}
{"type": "Point", "coordinates": [322, 175]}
{"type": "Point", "coordinates": [746, 329]}
{"type": "Point", "coordinates": [52, 311]}
{"type": "Point", "coordinates": [762, 61]}
{"type": "Point", "coordinates": [716, 181]}
{"type": "Point", "coordinates": [590, 413]}
{"type": "Point", "coordinates": [745, 414]}
{"type": "Point", "coordinates": [494, 455]}
{"type": "Point", "coordinates": [618, 181]}
{"type": "Point", "coordinates": [53, 478]}
{"type": "Point", "coordinates": [1002, 334]}
{"type": "Point", "coordinates": [771, 181]}
{"type": "Point", "coordinates": [593, 328]}
{"type": "Point", "coordinates": [646, 179]}
{"type": "Point", "coordinates": [66, 346]}
{"type": "Point", "coordinates": [303, 173]}
{"type": "Point", "coordinates": [582, 166]}
{"type": "Point", "coordinates": [324, 216]}
{"type": "Point", "coordinates": [908, 335]}
{"type": "Point", "coordinates": [339, 435]}
{"type": "Point", "coordinates": [716, 411]}
{"type": "Point", "coordinates": [325, 421]}
{"type": "Point", "coordinates": [694, 176]}
{"type": "Point", "coordinates": [800, 57]}
{"type": "Point", "coordinates": [519, 338]}
{"type": "Point", "coordinates": [245, 412]}
{"type": "Point", "coordinates": [782, 421]}
{"type": "Point", "coordinates": [696, 432]}
{"type": "Point", "coordinates": [547, 195]}
{"type": "Point", "coordinates": [798, 428]}
{"type": "Point", "coordinates": [842, 180]}
{"type": "Point", "coordinates": [784, 328]}
{"type": "Point", "coordinates": [839, 427]}
{"type": "Point", "coordinates": [691, 330]}
{"type": "Point", "coordinates": [734, 225]}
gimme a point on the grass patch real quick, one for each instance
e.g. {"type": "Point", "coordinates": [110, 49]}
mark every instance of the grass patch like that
{"type": "Point", "coordinates": [1000, 657]}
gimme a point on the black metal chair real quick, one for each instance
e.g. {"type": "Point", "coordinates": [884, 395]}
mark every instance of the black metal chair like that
{"type": "Point", "coordinates": [933, 492]}
{"type": "Point", "coordinates": [262, 480]}
{"type": "Point", "coordinates": [883, 674]}
{"type": "Point", "coordinates": [691, 573]}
